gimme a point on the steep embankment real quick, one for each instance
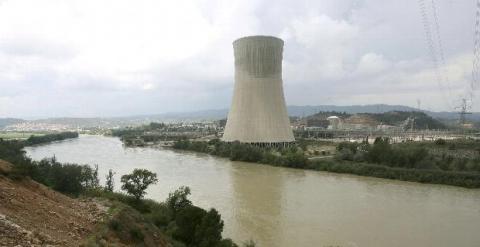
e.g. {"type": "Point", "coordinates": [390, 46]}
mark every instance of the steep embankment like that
{"type": "Point", "coordinates": [32, 214]}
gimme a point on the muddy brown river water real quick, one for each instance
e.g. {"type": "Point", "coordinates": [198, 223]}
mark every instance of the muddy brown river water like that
{"type": "Point", "coordinates": [287, 207]}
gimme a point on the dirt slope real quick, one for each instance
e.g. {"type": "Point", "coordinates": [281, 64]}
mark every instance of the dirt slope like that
{"type": "Point", "coordinates": [32, 214]}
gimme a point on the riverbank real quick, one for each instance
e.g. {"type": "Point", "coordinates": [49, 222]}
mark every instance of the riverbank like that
{"type": "Point", "coordinates": [47, 138]}
{"type": "Point", "coordinates": [295, 158]}
{"type": "Point", "coordinates": [126, 220]}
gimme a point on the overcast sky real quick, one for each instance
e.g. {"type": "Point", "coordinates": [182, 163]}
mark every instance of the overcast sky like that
{"type": "Point", "coordinates": [112, 58]}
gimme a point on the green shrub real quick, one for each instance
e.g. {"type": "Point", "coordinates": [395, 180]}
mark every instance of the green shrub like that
{"type": "Point", "coordinates": [114, 225]}
{"type": "Point", "coordinates": [137, 234]}
{"type": "Point", "coordinates": [295, 160]}
{"type": "Point", "coordinates": [440, 142]}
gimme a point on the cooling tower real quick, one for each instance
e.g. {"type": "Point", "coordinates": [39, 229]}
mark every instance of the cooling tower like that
{"type": "Point", "coordinates": [258, 113]}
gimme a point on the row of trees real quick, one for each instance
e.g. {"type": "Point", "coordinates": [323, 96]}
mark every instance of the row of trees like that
{"type": "Point", "coordinates": [403, 162]}
{"type": "Point", "coordinates": [469, 180]}
{"type": "Point", "coordinates": [410, 155]}
{"type": "Point", "coordinates": [236, 151]}
{"type": "Point", "coordinates": [33, 140]}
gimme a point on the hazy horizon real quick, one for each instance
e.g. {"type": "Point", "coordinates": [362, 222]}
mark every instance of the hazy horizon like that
{"type": "Point", "coordinates": [122, 58]}
{"type": "Point", "coordinates": [177, 114]}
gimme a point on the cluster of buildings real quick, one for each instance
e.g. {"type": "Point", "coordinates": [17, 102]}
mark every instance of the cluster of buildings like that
{"type": "Point", "coordinates": [31, 126]}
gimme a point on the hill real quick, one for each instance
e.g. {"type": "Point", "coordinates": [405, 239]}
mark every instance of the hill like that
{"type": "Point", "coordinates": [9, 121]}
{"type": "Point", "coordinates": [31, 213]}
{"type": "Point", "coordinates": [293, 111]}
{"type": "Point", "coordinates": [394, 118]}
{"type": "Point", "coordinates": [208, 115]}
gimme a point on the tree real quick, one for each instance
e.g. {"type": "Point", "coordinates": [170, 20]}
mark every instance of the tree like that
{"type": "Point", "coordinates": [209, 231]}
{"type": "Point", "coordinates": [187, 221]}
{"type": "Point", "coordinates": [110, 184]}
{"type": "Point", "coordinates": [138, 181]}
{"type": "Point", "coordinates": [197, 227]}
{"type": "Point", "coordinates": [178, 200]}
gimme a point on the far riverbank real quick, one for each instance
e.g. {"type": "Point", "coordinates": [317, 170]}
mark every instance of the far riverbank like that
{"type": "Point", "coordinates": [345, 161]}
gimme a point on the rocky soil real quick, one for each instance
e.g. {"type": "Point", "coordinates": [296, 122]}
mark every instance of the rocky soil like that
{"type": "Point", "coordinates": [34, 215]}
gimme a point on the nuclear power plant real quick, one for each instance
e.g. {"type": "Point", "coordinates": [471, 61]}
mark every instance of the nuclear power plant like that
{"type": "Point", "coordinates": [258, 114]}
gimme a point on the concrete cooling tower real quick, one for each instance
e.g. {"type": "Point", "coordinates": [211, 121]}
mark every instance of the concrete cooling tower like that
{"type": "Point", "coordinates": [258, 113]}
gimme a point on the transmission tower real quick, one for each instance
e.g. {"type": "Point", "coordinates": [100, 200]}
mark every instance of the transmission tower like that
{"type": "Point", "coordinates": [463, 112]}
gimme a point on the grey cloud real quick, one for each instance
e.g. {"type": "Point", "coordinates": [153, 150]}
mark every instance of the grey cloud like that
{"type": "Point", "coordinates": [336, 52]}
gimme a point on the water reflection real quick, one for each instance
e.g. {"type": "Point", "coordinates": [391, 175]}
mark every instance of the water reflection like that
{"type": "Point", "coordinates": [258, 198]}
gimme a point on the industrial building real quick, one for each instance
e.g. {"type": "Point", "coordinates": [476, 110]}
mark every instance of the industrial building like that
{"type": "Point", "coordinates": [258, 113]}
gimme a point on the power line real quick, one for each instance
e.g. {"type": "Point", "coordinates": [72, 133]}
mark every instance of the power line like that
{"type": "Point", "coordinates": [440, 47]}
{"type": "Point", "coordinates": [431, 46]}
{"type": "Point", "coordinates": [476, 54]}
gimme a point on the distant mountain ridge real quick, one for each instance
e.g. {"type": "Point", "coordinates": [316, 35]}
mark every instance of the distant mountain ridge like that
{"type": "Point", "coordinates": [9, 121]}
{"type": "Point", "coordinates": [216, 114]}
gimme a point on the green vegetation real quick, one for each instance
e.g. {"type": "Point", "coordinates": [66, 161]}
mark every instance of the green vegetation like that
{"type": "Point", "coordinates": [109, 182]}
{"type": "Point", "coordinates": [34, 140]}
{"type": "Point", "coordinates": [18, 135]}
{"type": "Point", "coordinates": [181, 221]}
{"type": "Point", "coordinates": [138, 181]}
{"type": "Point", "coordinates": [456, 156]}
{"type": "Point", "coordinates": [153, 132]}
{"type": "Point", "coordinates": [422, 120]}
{"type": "Point", "coordinates": [133, 219]}
{"type": "Point", "coordinates": [289, 157]}
{"type": "Point", "coordinates": [468, 180]}
{"type": "Point", "coordinates": [67, 178]}
{"type": "Point", "coordinates": [452, 163]}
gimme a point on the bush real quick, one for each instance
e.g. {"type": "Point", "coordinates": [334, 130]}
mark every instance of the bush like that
{"type": "Point", "coordinates": [295, 160]}
{"type": "Point", "coordinates": [440, 141]}
{"type": "Point", "coordinates": [114, 225]}
{"type": "Point", "coordinates": [137, 234]}
{"type": "Point", "coordinates": [344, 154]}
{"type": "Point", "coordinates": [242, 152]}
{"type": "Point", "coordinates": [351, 146]}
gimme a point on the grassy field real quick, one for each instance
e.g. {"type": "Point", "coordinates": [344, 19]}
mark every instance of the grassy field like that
{"type": "Point", "coordinates": [8, 135]}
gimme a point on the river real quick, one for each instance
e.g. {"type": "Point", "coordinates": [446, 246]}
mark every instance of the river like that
{"type": "Point", "coordinates": [288, 207]}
